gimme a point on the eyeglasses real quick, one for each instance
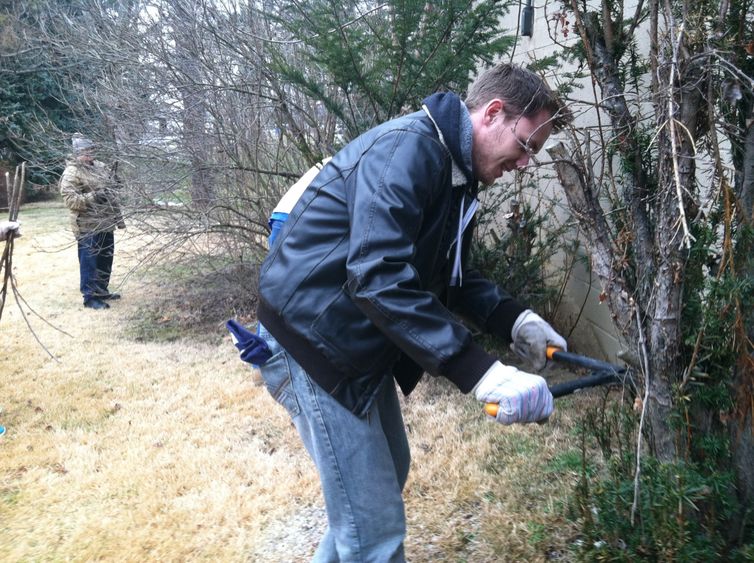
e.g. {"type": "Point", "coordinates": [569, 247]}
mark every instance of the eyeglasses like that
{"type": "Point", "coordinates": [532, 154]}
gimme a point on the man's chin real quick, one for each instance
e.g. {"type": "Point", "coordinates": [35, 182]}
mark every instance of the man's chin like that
{"type": "Point", "coordinates": [491, 181]}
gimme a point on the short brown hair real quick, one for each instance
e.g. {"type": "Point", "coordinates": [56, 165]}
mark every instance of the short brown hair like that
{"type": "Point", "coordinates": [524, 93]}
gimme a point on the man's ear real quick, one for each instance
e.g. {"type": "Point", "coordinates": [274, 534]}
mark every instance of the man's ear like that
{"type": "Point", "coordinates": [494, 110]}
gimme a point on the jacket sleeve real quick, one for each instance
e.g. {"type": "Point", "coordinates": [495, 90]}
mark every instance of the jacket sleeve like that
{"type": "Point", "coordinates": [487, 305]}
{"type": "Point", "coordinates": [387, 200]}
{"type": "Point", "coordinates": [71, 189]}
{"type": "Point", "coordinates": [482, 302]}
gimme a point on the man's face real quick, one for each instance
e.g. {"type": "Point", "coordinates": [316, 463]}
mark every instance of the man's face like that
{"type": "Point", "coordinates": [86, 156]}
{"type": "Point", "coordinates": [503, 142]}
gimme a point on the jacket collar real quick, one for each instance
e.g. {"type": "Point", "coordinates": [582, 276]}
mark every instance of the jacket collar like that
{"type": "Point", "coordinates": [451, 119]}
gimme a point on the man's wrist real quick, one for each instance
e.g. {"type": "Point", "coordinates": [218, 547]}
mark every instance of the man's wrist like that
{"type": "Point", "coordinates": [481, 382]}
{"type": "Point", "coordinates": [503, 317]}
{"type": "Point", "coordinates": [466, 368]}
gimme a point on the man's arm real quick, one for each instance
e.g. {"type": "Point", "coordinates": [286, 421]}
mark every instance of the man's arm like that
{"type": "Point", "coordinates": [392, 193]}
{"type": "Point", "coordinates": [496, 312]}
{"type": "Point", "coordinates": [71, 191]}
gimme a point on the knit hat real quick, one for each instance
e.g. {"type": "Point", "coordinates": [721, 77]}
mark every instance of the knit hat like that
{"type": "Point", "coordinates": [81, 143]}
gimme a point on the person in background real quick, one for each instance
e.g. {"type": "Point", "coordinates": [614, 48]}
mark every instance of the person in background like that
{"type": "Point", "coordinates": [364, 286]}
{"type": "Point", "coordinates": [292, 195]}
{"type": "Point", "coordinates": [89, 190]}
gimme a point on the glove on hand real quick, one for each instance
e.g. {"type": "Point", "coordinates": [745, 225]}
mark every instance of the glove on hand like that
{"type": "Point", "coordinates": [531, 336]}
{"type": "Point", "coordinates": [101, 198]}
{"type": "Point", "coordinates": [9, 228]}
{"type": "Point", "coordinates": [521, 396]}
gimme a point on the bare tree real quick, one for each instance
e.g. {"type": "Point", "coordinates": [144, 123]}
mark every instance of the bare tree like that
{"type": "Point", "coordinates": [214, 107]}
{"type": "Point", "coordinates": [662, 189]}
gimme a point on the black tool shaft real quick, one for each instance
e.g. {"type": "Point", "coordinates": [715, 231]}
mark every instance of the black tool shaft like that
{"type": "Point", "coordinates": [585, 362]}
{"type": "Point", "coordinates": [594, 380]}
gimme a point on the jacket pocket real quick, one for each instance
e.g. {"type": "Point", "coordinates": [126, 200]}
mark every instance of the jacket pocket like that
{"type": "Point", "coordinates": [276, 374]}
{"type": "Point", "coordinates": [351, 338]}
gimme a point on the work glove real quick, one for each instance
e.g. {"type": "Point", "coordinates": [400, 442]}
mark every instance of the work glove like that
{"type": "Point", "coordinates": [9, 228]}
{"type": "Point", "coordinates": [520, 396]}
{"type": "Point", "coordinates": [531, 336]}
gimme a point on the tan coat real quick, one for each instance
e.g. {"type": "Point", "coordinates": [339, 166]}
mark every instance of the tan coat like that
{"type": "Point", "coordinates": [89, 192]}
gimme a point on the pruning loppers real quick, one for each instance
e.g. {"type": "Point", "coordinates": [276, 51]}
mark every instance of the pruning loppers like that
{"type": "Point", "coordinates": [603, 373]}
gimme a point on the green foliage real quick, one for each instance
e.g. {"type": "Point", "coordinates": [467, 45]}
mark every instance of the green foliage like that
{"type": "Point", "coordinates": [366, 66]}
{"type": "Point", "coordinates": [515, 255]}
{"type": "Point", "coordinates": [715, 297]}
{"type": "Point", "coordinates": [32, 100]}
{"type": "Point", "coordinates": [681, 509]}
{"type": "Point", "coordinates": [570, 461]}
{"type": "Point", "coordinates": [685, 509]}
{"type": "Point", "coordinates": [669, 520]}
{"type": "Point", "coordinates": [538, 533]}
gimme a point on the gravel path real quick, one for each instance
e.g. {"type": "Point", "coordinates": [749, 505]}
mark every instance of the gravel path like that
{"type": "Point", "coordinates": [294, 540]}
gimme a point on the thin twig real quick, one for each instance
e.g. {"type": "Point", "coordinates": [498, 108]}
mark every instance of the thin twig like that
{"type": "Point", "coordinates": [19, 300]}
{"type": "Point", "coordinates": [14, 202]}
{"type": "Point", "coordinates": [688, 238]}
{"type": "Point", "coordinates": [643, 359]}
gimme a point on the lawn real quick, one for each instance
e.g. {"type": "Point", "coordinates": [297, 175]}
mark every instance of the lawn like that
{"type": "Point", "coordinates": [131, 438]}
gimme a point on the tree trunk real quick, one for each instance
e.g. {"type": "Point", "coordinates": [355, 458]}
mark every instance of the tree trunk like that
{"type": "Point", "coordinates": [188, 67]}
{"type": "Point", "coordinates": [197, 144]}
{"type": "Point", "coordinates": [741, 426]}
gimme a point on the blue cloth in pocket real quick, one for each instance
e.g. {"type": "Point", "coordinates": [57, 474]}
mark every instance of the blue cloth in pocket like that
{"type": "Point", "coordinates": [253, 348]}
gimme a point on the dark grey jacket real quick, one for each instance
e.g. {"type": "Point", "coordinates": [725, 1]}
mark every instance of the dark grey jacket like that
{"type": "Point", "coordinates": [356, 285]}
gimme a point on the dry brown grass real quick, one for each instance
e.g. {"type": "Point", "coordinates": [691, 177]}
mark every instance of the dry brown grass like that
{"type": "Point", "coordinates": [127, 449]}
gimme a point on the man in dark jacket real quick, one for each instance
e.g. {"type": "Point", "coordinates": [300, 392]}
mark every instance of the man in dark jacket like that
{"type": "Point", "coordinates": [364, 286]}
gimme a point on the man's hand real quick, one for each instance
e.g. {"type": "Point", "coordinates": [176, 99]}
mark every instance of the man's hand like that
{"type": "Point", "coordinates": [520, 396]}
{"type": "Point", "coordinates": [531, 336]}
{"type": "Point", "coordinates": [8, 229]}
{"type": "Point", "coordinates": [101, 197]}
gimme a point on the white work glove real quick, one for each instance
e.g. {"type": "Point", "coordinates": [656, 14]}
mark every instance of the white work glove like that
{"type": "Point", "coordinates": [531, 336]}
{"type": "Point", "coordinates": [520, 396]}
{"type": "Point", "coordinates": [8, 227]}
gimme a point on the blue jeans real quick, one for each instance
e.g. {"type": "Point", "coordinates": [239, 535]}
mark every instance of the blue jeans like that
{"type": "Point", "coordinates": [95, 262]}
{"type": "Point", "coordinates": [362, 462]}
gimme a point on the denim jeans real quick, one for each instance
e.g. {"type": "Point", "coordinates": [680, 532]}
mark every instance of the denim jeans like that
{"type": "Point", "coordinates": [95, 262]}
{"type": "Point", "coordinates": [362, 462]}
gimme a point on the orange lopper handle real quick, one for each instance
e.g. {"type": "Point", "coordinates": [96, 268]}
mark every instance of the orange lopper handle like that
{"type": "Point", "coordinates": [551, 351]}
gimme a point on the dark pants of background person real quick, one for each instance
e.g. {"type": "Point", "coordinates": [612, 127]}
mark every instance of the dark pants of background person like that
{"type": "Point", "coordinates": [95, 262]}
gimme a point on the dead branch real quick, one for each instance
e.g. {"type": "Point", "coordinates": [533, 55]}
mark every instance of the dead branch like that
{"type": "Point", "coordinates": [604, 68]}
{"type": "Point", "coordinates": [591, 216]}
{"type": "Point", "coordinates": [6, 262]}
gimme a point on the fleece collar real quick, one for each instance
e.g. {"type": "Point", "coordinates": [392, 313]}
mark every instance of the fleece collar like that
{"type": "Point", "coordinates": [453, 124]}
